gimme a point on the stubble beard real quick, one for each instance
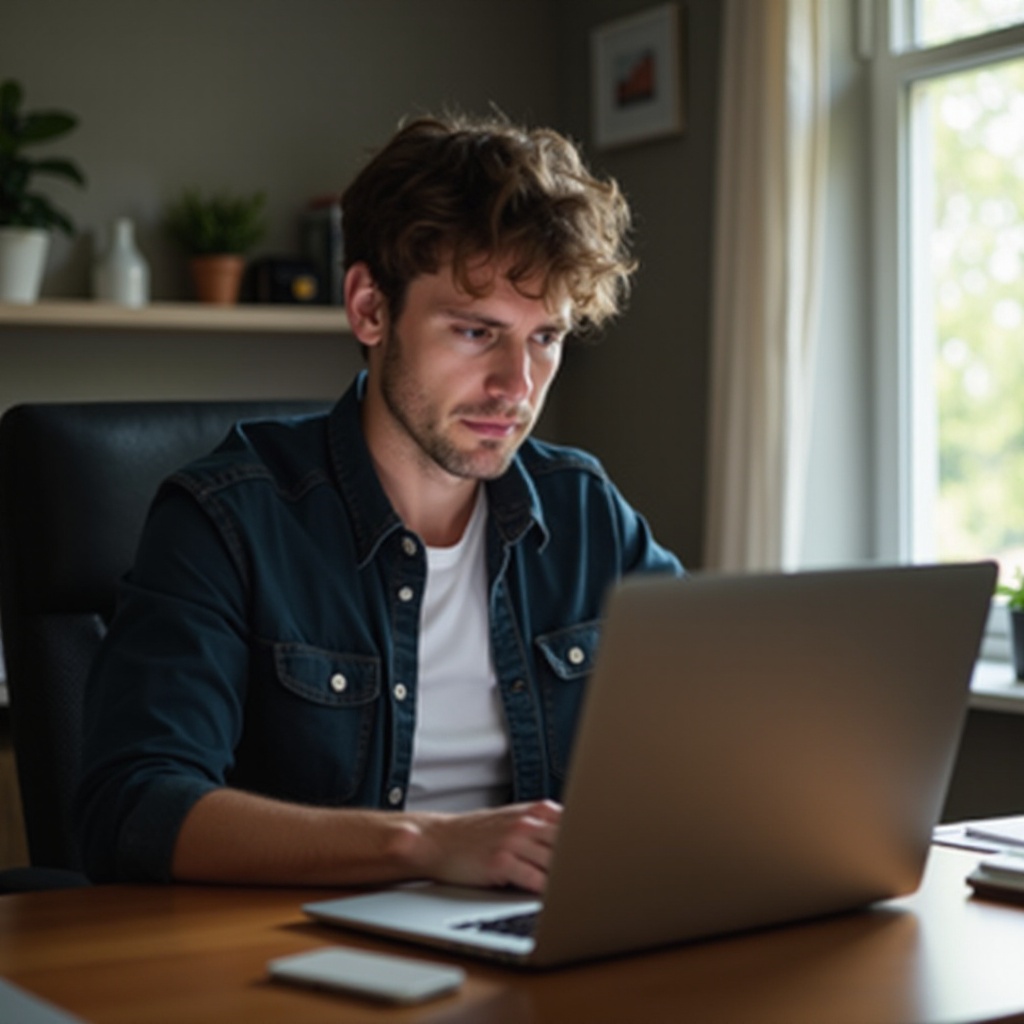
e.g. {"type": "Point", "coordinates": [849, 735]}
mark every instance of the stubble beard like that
{"type": "Point", "coordinates": [419, 419]}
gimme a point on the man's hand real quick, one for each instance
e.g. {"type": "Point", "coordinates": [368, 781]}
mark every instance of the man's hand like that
{"type": "Point", "coordinates": [509, 845]}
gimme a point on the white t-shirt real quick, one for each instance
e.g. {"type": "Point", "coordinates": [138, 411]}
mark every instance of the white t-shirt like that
{"type": "Point", "coordinates": [460, 758]}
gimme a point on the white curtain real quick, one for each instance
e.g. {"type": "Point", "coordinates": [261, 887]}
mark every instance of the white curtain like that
{"type": "Point", "coordinates": [769, 242]}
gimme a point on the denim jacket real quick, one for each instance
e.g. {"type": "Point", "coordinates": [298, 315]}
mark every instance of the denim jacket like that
{"type": "Point", "coordinates": [267, 636]}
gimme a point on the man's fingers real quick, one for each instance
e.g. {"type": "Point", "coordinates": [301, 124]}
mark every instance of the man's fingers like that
{"type": "Point", "coordinates": [527, 876]}
{"type": "Point", "coordinates": [539, 836]}
{"type": "Point", "coordinates": [544, 810]}
{"type": "Point", "coordinates": [510, 845]}
{"type": "Point", "coordinates": [528, 856]}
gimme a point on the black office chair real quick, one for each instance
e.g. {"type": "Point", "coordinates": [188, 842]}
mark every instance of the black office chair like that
{"type": "Point", "coordinates": [75, 484]}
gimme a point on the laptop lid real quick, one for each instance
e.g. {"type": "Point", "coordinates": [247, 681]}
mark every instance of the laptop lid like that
{"type": "Point", "coordinates": [753, 750]}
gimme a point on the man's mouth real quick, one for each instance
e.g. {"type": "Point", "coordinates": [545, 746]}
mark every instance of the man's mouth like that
{"type": "Point", "coordinates": [490, 428]}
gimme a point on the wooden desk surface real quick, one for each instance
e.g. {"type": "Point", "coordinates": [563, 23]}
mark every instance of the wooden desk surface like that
{"type": "Point", "coordinates": [187, 954]}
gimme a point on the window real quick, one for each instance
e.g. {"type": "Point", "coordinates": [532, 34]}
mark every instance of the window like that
{"type": "Point", "coordinates": [933, 22]}
{"type": "Point", "coordinates": [948, 123]}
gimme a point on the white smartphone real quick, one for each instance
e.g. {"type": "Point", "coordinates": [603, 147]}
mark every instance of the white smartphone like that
{"type": "Point", "coordinates": [393, 979]}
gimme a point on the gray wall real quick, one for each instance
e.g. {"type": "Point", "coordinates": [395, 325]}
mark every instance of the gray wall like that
{"type": "Point", "coordinates": [288, 96]}
{"type": "Point", "coordinates": [639, 398]}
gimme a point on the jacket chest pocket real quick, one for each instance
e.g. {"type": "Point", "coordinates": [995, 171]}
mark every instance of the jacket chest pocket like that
{"type": "Point", "coordinates": [327, 678]}
{"type": "Point", "coordinates": [320, 721]}
{"type": "Point", "coordinates": [565, 663]}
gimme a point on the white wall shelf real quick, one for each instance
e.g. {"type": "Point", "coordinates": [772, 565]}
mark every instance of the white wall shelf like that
{"type": "Point", "coordinates": [176, 316]}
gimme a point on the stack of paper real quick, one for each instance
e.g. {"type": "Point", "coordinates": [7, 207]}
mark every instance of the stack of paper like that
{"type": "Point", "coordinates": [1000, 877]}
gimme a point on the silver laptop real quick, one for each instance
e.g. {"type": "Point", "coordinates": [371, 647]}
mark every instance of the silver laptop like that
{"type": "Point", "coordinates": [753, 750]}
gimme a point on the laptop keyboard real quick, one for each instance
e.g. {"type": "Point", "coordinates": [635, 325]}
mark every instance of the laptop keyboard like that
{"type": "Point", "coordinates": [521, 925]}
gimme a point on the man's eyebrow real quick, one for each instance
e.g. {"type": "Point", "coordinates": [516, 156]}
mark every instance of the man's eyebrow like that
{"type": "Point", "coordinates": [556, 323]}
{"type": "Point", "coordinates": [477, 318]}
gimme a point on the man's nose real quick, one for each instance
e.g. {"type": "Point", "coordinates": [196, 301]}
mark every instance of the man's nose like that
{"type": "Point", "coordinates": [511, 376]}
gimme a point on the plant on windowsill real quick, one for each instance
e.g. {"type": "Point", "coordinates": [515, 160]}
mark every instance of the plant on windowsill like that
{"type": "Point", "coordinates": [216, 232]}
{"type": "Point", "coordinates": [28, 218]}
{"type": "Point", "coordinates": [1014, 593]}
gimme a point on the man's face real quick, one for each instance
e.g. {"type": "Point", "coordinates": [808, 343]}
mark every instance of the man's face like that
{"type": "Point", "coordinates": [465, 378]}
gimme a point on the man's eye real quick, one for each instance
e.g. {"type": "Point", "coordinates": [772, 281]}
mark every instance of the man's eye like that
{"type": "Point", "coordinates": [473, 333]}
{"type": "Point", "coordinates": [548, 338]}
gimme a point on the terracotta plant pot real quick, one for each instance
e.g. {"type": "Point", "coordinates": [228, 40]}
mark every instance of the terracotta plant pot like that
{"type": "Point", "coordinates": [217, 279]}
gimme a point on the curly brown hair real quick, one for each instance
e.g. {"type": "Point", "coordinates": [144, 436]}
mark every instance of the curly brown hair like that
{"type": "Point", "coordinates": [456, 188]}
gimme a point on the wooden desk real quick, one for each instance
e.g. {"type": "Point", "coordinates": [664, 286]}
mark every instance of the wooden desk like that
{"type": "Point", "coordinates": [187, 954]}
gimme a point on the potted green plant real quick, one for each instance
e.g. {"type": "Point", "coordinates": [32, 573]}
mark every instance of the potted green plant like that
{"type": "Point", "coordinates": [27, 217]}
{"type": "Point", "coordinates": [216, 231]}
{"type": "Point", "coordinates": [1014, 593]}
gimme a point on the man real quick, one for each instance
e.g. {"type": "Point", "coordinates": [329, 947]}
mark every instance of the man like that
{"type": "Point", "coordinates": [353, 646]}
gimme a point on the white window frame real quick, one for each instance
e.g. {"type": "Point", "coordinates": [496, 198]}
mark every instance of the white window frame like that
{"type": "Point", "coordinates": [904, 409]}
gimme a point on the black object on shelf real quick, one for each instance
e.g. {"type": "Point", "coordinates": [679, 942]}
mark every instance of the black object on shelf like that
{"type": "Point", "coordinates": [323, 243]}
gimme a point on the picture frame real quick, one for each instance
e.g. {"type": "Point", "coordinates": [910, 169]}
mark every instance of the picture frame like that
{"type": "Point", "coordinates": [637, 80]}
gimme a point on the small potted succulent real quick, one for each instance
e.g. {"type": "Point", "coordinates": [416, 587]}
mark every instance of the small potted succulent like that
{"type": "Point", "coordinates": [1014, 593]}
{"type": "Point", "coordinates": [216, 232]}
{"type": "Point", "coordinates": [27, 217]}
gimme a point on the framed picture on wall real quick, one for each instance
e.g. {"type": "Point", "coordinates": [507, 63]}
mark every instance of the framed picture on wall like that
{"type": "Point", "coordinates": [637, 81]}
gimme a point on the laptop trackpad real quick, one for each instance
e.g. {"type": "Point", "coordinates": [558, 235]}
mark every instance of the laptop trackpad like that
{"type": "Point", "coordinates": [451, 915]}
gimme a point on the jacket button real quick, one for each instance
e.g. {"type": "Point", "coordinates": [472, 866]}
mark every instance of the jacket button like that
{"type": "Point", "coordinates": [338, 683]}
{"type": "Point", "coordinates": [395, 795]}
{"type": "Point", "coordinates": [400, 691]}
{"type": "Point", "coordinates": [577, 655]}
{"type": "Point", "coordinates": [409, 546]}
{"type": "Point", "coordinates": [405, 594]}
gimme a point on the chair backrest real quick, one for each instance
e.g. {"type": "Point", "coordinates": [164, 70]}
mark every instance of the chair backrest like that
{"type": "Point", "coordinates": [76, 481]}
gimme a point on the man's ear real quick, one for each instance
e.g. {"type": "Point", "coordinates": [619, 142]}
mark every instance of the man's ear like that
{"type": "Point", "coordinates": [365, 305]}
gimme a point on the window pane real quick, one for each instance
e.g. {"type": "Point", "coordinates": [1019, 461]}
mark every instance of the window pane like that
{"type": "Point", "coordinates": [971, 301]}
{"type": "Point", "coordinates": [942, 21]}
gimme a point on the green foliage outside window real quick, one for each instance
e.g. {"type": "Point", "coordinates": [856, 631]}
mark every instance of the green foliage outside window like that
{"type": "Point", "coordinates": [976, 135]}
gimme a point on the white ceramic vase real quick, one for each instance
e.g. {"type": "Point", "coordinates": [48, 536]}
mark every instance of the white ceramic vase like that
{"type": "Point", "coordinates": [121, 273]}
{"type": "Point", "coordinates": [23, 254]}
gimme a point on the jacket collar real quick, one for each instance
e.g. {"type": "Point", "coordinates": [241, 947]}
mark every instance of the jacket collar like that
{"type": "Point", "coordinates": [513, 503]}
